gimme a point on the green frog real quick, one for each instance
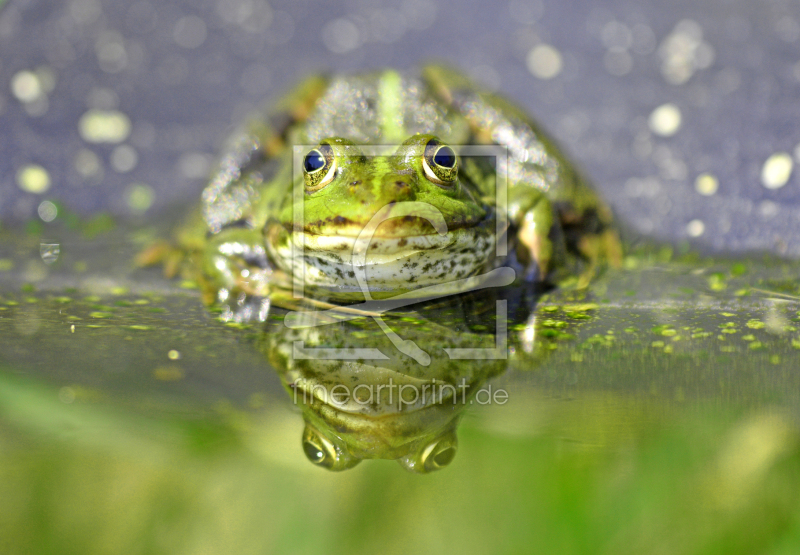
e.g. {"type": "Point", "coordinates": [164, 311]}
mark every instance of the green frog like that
{"type": "Point", "coordinates": [387, 184]}
{"type": "Point", "coordinates": [393, 189]}
{"type": "Point", "coordinates": [362, 398]}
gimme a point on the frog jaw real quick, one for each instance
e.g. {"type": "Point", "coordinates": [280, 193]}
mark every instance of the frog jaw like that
{"type": "Point", "coordinates": [392, 266]}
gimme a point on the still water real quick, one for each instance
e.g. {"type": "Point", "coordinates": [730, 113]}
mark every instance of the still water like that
{"type": "Point", "coordinates": [657, 412]}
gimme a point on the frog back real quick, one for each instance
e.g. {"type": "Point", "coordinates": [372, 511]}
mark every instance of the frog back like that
{"type": "Point", "coordinates": [381, 108]}
{"type": "Point", "coordinates": [386, 107]}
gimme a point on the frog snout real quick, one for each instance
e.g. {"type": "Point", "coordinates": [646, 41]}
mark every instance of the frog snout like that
{"type": "Point", "coordinates": [399, 187]}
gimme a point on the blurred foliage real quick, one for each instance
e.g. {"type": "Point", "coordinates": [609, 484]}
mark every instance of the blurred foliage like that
{"type": "Point", "coordinates": [88, 478]}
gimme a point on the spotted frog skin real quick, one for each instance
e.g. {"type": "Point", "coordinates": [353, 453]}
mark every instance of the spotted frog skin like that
{"type": "Point", "coordinates": [388, 406]}
{"type": "Point", "coordinates": [358, 186]}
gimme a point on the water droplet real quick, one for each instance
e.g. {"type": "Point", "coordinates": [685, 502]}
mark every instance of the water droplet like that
{"type": "Point", "coordinates": [526, 12]}
{"type": "Point", "coordinates": [544, 61]}
{"type": "Point", "coordinates": [340, 36]}
{"type": "Point", "coordinates": [104, 126]}
{"type": "Point", "coordinates": [25, 85]}
{"type": "Point", "coordinates": [618, 62]}
{"type": "Point", "coordinates": [194, 165]}
{"type": "Point", "coordinates": [665, 120]}
{"type": "Point", "coordinates": [49, 252]}
{"type": "Point", "coordinates": [263, 310]}
{"type": "Point", "coordinates": [695, 228]}
{"type": "Point", "coordinates": [88, 164]}
{"type": "Point", "coordinates": [124, 158]}
{"type": "Point", "coordinates": [139, 197]}
{"type": "Point", "coordinates": [190, 31]}
{"type": "Point", "coordinates": [706, 184]}
{"type": "Point", "coordinates": [616, 36]}
{"type": "Point", "coordinates": [33, 179]}
{"type": "Point", "coordinates": [776, 170]}
{"type": "Point", "coordinates": [47, 211]}
{"type": "Point", "coordinates": [111, 53]}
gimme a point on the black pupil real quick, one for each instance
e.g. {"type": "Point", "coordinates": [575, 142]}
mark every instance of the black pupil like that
{"type": "Point", "coordinates": [445, 457]}
{"type": "Point", "coordinates": [313, 452]}
{"type": "Point", "coordinates": [445, 157]}
{"type": "Point", "coordinates": [313, 161]}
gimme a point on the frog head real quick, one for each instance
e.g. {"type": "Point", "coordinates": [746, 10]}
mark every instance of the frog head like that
{"type": "Point", "coordinates": [381, 403]}
{"type": "Point", "coordinates": [413, 210]}
{"type": "Point", "coordinates": [421, 441]}
{"type": "Point", "coordinates": [345, 188]}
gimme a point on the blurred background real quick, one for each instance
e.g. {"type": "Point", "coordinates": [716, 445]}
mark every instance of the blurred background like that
{"type": "Point", "coordinates": [132, 421]}
{"type": "Point", "coordinates": [681, 112]}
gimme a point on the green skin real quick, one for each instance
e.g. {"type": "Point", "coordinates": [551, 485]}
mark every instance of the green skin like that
{"type": "Point", "coordinates": [251, 211]}
{"type": "Point", "coordinates": [401, 420]}
{"type": "Point", "coordinates": [380, 181]}
{"type": "Point", "coordinates": [434, 224]}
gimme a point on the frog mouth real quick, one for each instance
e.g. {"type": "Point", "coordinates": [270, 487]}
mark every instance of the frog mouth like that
{"type": "Point", "coordinates": [383, 248]}
{"type": "Point", "coordinates": [391, 264]}
{"type": "Point", "coordinates": [397, 227]}
{"type": "Point", "coordinates": [378, 432]}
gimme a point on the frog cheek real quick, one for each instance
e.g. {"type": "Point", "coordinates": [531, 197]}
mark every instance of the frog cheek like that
{"type": "Point", "coordinates": [432, 456]}
{"type": "Point", "coordinates": [321, 452]}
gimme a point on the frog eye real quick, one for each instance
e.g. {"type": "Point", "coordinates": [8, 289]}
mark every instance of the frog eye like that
{"type": "Point", "coordinates": [433, 456]}
{"type": "Point", "coordinates": [439, 454]}
{"type": "Point", "coordinates": [317, 453]}
{"type": "Point", "coordinates": [440, 163]}
{"type": "Point", "coordinates": [319, 167]}
{"type": "Point", "coordinates": [321, 452]}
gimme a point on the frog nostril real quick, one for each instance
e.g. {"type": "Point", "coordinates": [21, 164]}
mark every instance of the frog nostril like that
{"type": "Point", "coordinates": [354, 183]}
{"type": "Point", "coordinates": [397, 187]}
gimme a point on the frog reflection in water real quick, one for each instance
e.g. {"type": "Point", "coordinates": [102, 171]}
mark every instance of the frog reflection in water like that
{"type": "Point", "coordinates": [384, 200]}
{"type": "Point", "coordinates": [369, 400]}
